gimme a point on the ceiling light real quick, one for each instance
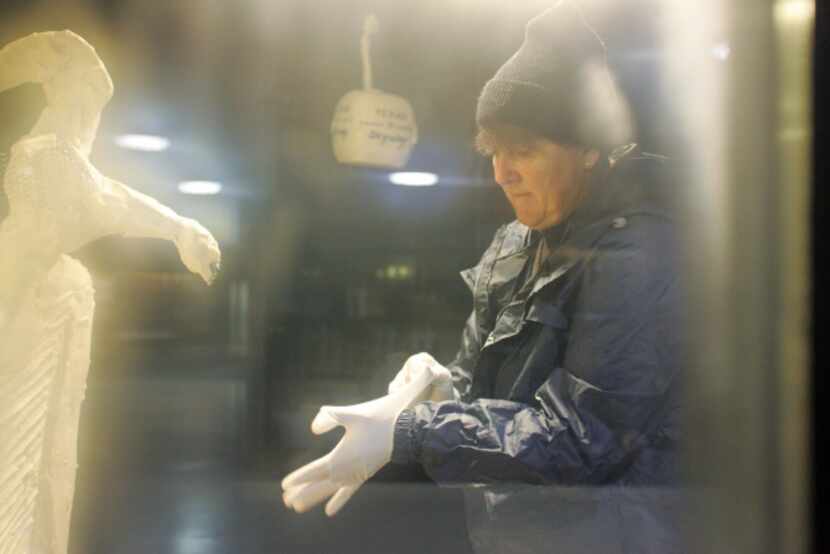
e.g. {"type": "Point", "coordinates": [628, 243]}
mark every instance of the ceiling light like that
{"type": "Point", "coordinates": [721, 51]}
{"type": "Point", "coordinates": [143, 143]}
{"type": "Point", "coordinates": [200, 187]}
{"type": "Point", "coordinates": [795, 11]}
{"type": "Point", "coordinates": [413, 178]}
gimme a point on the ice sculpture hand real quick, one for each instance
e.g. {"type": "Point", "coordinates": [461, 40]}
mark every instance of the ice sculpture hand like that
{"type": "Point", "coordinates": [441, 388]}
{"type": "Point", "coordinates": [364, 449]}
{"type": "Point", "coordinates": [198, 250]}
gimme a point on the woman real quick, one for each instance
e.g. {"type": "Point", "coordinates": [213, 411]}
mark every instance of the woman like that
{"type": "Point", "coordinates": [59, 202]}
{"type": "Point", "coordinates": [569, 369]}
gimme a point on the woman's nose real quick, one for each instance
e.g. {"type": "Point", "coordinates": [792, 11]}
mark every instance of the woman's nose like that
{"type": "Point", "coordinates": [503, 170]}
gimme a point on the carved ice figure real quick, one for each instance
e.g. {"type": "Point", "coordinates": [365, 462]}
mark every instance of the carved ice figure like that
{"type": "Point", "coordinates": [57, 203]}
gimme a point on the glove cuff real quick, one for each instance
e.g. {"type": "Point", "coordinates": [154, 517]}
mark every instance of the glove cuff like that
{"type": "Point", "coordinates": [403, 451]}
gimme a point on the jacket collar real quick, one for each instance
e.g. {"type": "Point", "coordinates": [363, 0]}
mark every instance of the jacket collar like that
{"type": "Point", "coordinates": [609, 193]}
{"type": "Point", "coordinates": [629, 184]}
{"type": "Point", "coordinates": [618, 193]}
{"type": "Point", "coordinates": [623, 188]}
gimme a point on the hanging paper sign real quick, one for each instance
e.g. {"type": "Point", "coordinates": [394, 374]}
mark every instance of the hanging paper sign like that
{"type": "Point", "coordinates": [373, 128]}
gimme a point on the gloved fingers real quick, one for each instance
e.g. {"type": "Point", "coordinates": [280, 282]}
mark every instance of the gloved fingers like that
{"type": "Point", "coordinates": [290, 494]}
{"type": "Point", "coordinates": [318, 470]}
{"type": "Point", "coordinates": [323, 422]}
{"type": "Point", "coordinates": [340, 498]}
{"type": "Point", "coordinates": [343, 415]}
{"type": "Point", "coordinates": [441, 373]}
{"type": "Point", "coordinates": [442, 385]}
{"type": "Point", "coordinates": [310, 495]}
{"type": "Point", "coordinates": [414, 365]}
{"type": "Point", "coordinates": [398, 382]}
{"type": "Point", "coordinates": [396, 387]}
{"type": "Point", "coordinates": [415, 390]}
{"type": "Point", "coordinates": [346, 415]}
{"type": "Point", "coordinates": [441, 392]}
{"type": "Point", "coordinates": [403, 378]}
{"type": "Point", "coordinates": [421, 359]}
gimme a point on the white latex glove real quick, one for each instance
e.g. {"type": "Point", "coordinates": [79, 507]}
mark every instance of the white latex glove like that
{"type": "Point", "coordinates": [441, 388]}
{"type": "Point", "coordinates": [198, 249]}
{"type": "Point", "coordinates": [364, 449]}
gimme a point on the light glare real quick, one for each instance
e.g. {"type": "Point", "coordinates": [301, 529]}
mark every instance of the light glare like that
{"type": "Point", "coordinates": [797, 11]}
{"type": "Point", "coordinates": [200, 187]}
{"type": "Point", "coordinates": [143, 143]}
{"type": "Point", "coordinates": [413, 178]}
{"type": "Point", "coordinates": [721, 51]}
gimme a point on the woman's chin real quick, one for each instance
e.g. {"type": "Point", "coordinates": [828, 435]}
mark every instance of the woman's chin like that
{"type": "Point", "coordinates": [530, 220]}
{"type": "Point", "coordinates": [525, 210]}
{"type": "Point", "coordinates": [521, 211]}
{"type": "Point", "coordinates": [536, 220]}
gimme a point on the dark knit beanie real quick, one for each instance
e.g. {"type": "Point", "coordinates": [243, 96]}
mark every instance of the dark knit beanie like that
{"type": "Point", "coordinates": [558, 85]}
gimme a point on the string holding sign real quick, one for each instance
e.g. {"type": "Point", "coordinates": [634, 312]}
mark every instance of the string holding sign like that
{"type": "Point", "coordinates": [371, 127]}
{"type": "Point", "coordinates": [370, 27]}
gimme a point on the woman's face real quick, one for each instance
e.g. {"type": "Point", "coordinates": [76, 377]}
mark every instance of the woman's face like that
{"type": "Point", "coordinates": [542, 180]}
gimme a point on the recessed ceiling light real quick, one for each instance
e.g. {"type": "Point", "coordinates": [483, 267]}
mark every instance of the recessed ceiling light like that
{"type": "Point", "coordinates": [200, 187]}
{"type": "Point", "coordinates": [795, 11]}
{"type": "Point", "coordinates": [721, 51]}
{"type": "Point", "coordinates": [413, 178]}
{"type": "Point", "coordinates": [143, 143]}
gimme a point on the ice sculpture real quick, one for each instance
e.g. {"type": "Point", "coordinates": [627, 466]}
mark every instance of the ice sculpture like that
{"type": "Point", "coordinates": [58, 202]}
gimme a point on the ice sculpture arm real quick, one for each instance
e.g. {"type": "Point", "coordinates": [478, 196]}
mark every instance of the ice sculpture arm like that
{"type": "Point", "coordinates": [87, 205]}
{"type": "Point", "coordinates": [144, 216]}
{"type": "Point", "coordinates": [141, 216]}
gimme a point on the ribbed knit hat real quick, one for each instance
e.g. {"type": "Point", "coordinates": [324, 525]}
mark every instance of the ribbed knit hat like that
{"type": "Point", "coordinates": [558, 85]}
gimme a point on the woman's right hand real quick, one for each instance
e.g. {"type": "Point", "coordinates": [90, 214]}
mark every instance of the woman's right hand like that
{"type": "Point", "coordinates": [441, 389]}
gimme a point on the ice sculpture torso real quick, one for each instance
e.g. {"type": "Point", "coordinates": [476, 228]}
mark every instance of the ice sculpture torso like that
{"type": "Point", "coordinates": [59, 202]}
{"type": "Point", "coordinates": [45, 344]}
{"type": "Point", "coordinates": [54, 193]}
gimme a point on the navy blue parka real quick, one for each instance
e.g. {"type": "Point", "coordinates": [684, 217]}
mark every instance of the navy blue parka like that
{"type": "Point", "coordinates": [570, 377]}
